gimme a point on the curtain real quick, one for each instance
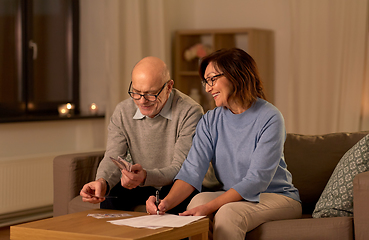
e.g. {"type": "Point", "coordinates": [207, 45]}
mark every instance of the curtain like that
{"type": "Point", "coordinates": [135, 29]}
{"type": "Point", "coordinates": [328, 83]}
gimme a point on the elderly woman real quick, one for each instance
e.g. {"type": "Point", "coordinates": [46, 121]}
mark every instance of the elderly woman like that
{"type": "Point", "coordinates": [243, 137]}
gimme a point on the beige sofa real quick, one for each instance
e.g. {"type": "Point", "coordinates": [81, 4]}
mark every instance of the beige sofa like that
{"type": "Point", "coordinates": [310, 159]}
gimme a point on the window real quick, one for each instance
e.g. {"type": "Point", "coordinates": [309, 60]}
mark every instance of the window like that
{"type": "Point", "coordinates": [38, 56]}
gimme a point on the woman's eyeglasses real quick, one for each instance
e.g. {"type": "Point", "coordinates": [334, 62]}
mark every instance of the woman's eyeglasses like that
{"type": "Point", "coordinates": [210, 80]}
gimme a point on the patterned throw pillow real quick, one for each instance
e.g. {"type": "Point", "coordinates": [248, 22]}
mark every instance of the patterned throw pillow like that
{"type": "Point", "coordinates": [337, 197]}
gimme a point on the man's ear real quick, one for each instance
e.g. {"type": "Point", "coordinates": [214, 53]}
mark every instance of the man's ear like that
{"type": "Point", "coordinates": [170, 85]}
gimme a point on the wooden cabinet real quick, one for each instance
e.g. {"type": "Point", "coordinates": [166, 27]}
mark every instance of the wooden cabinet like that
{"type": "Point", "coordinates": [258, 43]}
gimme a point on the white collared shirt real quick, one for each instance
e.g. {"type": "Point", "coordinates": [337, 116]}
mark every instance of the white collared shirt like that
{"type": "Point", "coordinates": [165, 112]}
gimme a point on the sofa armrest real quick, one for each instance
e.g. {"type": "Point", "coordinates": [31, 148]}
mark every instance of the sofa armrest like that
{"type": "Point", "coordinates": [70, 173]}
{"type": "Point", "coordinates": [361, 207]}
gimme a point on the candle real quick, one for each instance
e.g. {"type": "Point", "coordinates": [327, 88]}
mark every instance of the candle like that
{"type": "Point", "coordinates": [93, 109]}
{"type": "Point", "coordinates": [65, 110]}
{"type": "Point", "coordinates": [69, 106]}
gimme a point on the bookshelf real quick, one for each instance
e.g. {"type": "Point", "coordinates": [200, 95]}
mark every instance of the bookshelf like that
{"type": "Point", "coordinates": [256, 42]}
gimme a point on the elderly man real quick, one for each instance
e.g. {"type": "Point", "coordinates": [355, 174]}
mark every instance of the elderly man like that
{"type": "Point", "coordinates": [156, 126]}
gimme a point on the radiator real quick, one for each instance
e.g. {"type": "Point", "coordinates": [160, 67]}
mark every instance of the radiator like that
{"type": "Point", "coordinates": [26, 189]}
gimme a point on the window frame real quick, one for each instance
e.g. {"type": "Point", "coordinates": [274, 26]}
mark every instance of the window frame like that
{"type": "Point", "coordinates": [25, 107]}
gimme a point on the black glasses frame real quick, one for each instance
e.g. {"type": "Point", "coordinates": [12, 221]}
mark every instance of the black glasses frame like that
{"type": "Point", "coordinates": [147, 96]}
{"type": "Point", "coordinates": [210, 80]}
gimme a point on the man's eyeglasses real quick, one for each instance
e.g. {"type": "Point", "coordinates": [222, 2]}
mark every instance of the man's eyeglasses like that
{"type": "Point", "coordinates": [147, 96]}
{"type": "Point", "coordinates": [210, 80]}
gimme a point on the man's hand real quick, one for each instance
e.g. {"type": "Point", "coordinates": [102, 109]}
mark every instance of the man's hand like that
{"type": "Point", "coordinates": [94, 192]}
{"type": "Point", "coordinates": [134, 178]}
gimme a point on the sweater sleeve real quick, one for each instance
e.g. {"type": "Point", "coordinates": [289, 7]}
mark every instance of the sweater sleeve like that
{"type": "Point", "coordinates": [197, 162]}
{"type": "Point", "coordinates": [116, 146]}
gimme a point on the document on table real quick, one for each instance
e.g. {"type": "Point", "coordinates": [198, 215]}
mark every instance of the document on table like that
{"type": "Point", "coordinates": [157, 221]}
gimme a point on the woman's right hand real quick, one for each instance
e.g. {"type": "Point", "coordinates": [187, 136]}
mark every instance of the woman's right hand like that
{"type": "Point", "coordinates": [151, 206]}
{"type": "Point", "coordinates": [179, 192]}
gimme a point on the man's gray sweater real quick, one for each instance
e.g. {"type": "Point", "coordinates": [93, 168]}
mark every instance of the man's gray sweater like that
{"type": "Point", "coordinates": [159, 144]}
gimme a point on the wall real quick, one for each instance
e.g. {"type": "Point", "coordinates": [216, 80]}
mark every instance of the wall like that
{"type": "Point", "coordinates": [27, 151]}
{"type": "Point", "coordinates": [92, 54]}
{"type": "Point", "coordinates": [19, 140]}
{"type": "Point", "coordinates": [178, 15]}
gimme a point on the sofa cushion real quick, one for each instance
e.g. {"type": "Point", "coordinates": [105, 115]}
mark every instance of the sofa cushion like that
{"type": "Point", "coordinates": [340, 228]}
{"type": "Point", "coordinates": [337, 197]}
{"type": "Point", "coordinates": [312, 158]}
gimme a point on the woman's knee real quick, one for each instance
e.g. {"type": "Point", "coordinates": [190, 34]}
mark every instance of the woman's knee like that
{"type": "Point", "coordinates": [202, 198]}
{"type": "Point", "coordinates": [229, 222]}
{"type": "Point", "coordinates": [230, 212]}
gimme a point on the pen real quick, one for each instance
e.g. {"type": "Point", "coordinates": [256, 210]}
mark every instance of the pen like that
{"type": "Point", "coordinates": [106, 196]}
{"type": "Point", "coordinates": [157, 202]}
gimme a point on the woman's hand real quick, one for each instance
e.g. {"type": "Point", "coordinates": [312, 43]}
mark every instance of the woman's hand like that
{"type": "Point", "coordinates": [206, 209]}
{"type": "Point", "coordinates": [151, 206]}
{"type": "Point", "coordinates": [179, 192]}
{"type": "Point", "coordinates": [201, 210]}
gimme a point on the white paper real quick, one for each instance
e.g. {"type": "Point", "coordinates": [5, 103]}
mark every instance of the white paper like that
{"type": "Point", "coordinates": [157, 221]}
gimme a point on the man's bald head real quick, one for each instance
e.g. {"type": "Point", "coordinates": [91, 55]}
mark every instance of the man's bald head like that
{"type": "Point", "coordinates": [152, 69]}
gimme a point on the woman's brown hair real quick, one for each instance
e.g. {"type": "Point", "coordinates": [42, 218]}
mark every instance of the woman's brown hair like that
{"type": "Point", "coordinates": [241, 70]}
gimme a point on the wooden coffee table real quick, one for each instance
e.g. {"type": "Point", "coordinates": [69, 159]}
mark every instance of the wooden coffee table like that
{"type": "Point", "coordinates": [78, 226]}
